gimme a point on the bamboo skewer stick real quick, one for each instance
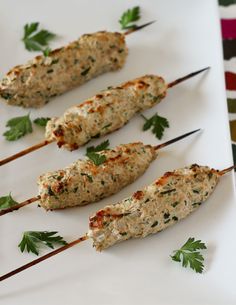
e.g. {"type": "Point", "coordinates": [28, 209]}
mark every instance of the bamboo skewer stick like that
{"type": "Point", "coordinates": [71, 244]}
{"type": "Point", "coordinates": [182, 79]}
{"type": "Point", "coordinates": [20, 205]}
{"type": "Point", "coordinates": [36, 198]}
{"type": "Point", "coordinates": [44, 257]}
{"type": "Point", "coordinates": [137, 28]}
{"type": "Point", "coordinates": [25, 152]}
{"type": "Point", "coordinates": [44, 143]}
{"type": "Point", "coordinates": [226, 170]}
{"type": "Point", "coordinates": [160, 146]}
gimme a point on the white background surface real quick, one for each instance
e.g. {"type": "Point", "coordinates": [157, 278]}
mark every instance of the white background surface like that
{"type": "Point", "coordinates": [186, 37]}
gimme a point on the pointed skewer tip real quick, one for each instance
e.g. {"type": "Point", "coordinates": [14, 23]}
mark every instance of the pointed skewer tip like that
{"type": "Point", "coordinates": [176, 139]}
{"type": "Point", "coordinates": [190, 75]}
{"type": "Point", "coordinates": [226, 170]}
{"type": "Point", "coordinates": [139, 27]}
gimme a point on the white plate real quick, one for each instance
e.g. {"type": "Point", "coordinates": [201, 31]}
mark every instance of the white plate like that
{"type": "Point", "coordinates": [186, 37]}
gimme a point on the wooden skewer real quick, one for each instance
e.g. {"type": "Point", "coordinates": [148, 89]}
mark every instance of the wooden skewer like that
{"type": "Point", "coordinates": [226, 170]}
{"type": "Point", "coordinates": [44, 143]}
{"type": "Point", "coordinates": [33, 199]}
{"type": "Point", "coordinates": [160, 146]}
{"type": "Point", "coordinates": [137, 28]}
{"type": "Point", "coordinates": [44, 257]}
{"type": "Point", "coordinates": [180, 80]}
{"type": "Point", "coordinates": [71, 244]}
{"type": "Point", "coordinates": [20, 205]}
{"type": "Point", "coordinates": [25, 152]}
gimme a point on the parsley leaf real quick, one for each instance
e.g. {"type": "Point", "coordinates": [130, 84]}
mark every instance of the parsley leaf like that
{"type": "Point", "coordinates": [7, 202]}
{"type": "Point", "coordinates": [91, 152]}
{"type": "Point", "coordinates": [19, 127]}
{"type": "Point", "coordinates": [46, 52]}
{"type": "Point", "coordinates": [128, 17]}
{"type": "Point", "coordinates": [96, 158]}
{"type": "Point", "coordinates": [36, 40]}
{"type": "Point", "coordinates": [157, 124]}
{"type": "Point", "coordinates": [88, 176]}
{"type": "Point", "coordinates": [103, 146]}
{"type": "Point", "coordinates": [42, 121]}
{"type": "Point", "coordinates": [32, 240]}
{"type": "Point", "coordinates": [190, 256]}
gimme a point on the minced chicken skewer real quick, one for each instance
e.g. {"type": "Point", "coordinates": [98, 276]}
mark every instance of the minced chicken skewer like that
{"type": "Point", "coordinates": [36, 82]}
{"type": "Point", "coordinates": [83, 182]}
{"type": "Point", "coordinates": [103, 113]}
{"type": "Point", "coordinates": [161, 204]}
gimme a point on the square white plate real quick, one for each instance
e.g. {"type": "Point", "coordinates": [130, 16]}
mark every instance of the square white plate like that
{"type": "Point", "coordinates": [185, 38]}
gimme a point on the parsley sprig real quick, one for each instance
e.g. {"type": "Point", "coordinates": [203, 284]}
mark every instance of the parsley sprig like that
{"type": "Point", "coordinates": [129, 17]}
{"type": "Point", "coordinates": [7, 202]}
{"type": "Point", "coordinates": [18, 127]}
{"type": "Point", "coordinates": [37, 40]}
{"type": "Point", "coordinates": [190, 256]}
{"type": "Point", "coordinates": [41, 121]}
{"type": "Point", "coordinates": [103, 146]}
{"type": "Point", "coordinates": [92, 154]}
{"type": "Point", "coordinates": [157, 124]}
{"type": "Point", "coordinates": [32, 240]}
{"type": "Point", "coordinates": [96, 158]}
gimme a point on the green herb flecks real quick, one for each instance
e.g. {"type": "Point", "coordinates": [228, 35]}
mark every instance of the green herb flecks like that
{"type": "Point", "coordinates": [90, 179]}
{"type": "Point", "coordinates": [19, 127]}
{"type": "Point", "coordinates": [154, 224]}
{"type": "Point", "coordinates": [42, 121]}
{"type": "Point", "coordinates": [7, 202]}
{"type": "Point", "coordinates": [6, 96]}
{"type": "Point", "coordinates": [33, 240]}
{"type": "Point", "coordinates": [157, 124]}
{"type": "Point", "coordinates": [46, 52]}
{"type": "Point", "coordinates": [129, 17]}
{"type": "Point", "coordinates": [37, 40]}
{"type": "Point", "coordinates": [85, 72]}
{"type": "Point", "coordinates": [189, 255]}
{"type": "Point", "coordinates": [168, 191]}
{"type": "Point", "coordinates": [106, 126]}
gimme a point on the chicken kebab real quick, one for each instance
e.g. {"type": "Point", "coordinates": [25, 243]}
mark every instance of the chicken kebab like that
{"type": "Point", "coordinates": [85, 182]}
{"type": "Point", "coordinates": [36, 82]}
{"type": "Point", "coordinates": [103, 113]}
{"type": "Point", "coordinates": [156, 207]}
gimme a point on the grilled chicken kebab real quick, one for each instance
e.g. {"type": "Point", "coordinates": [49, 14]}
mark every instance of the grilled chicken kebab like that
{"type": "Point", "coordinates": [34, 83]}
{"type": "Point", "coordinates": [163, 203]}
{"type": "Point", "coordinates": [105, 112]}
{"type": "Point", "coordinates": [83, 182]}
{"type": "Point", "coordinates": [154, 208]}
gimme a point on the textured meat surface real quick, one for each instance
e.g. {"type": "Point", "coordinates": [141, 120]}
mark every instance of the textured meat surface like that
{"type": "Point", "coordinates": [105, 112]}
{"type": "Point", "coordinates": [83, 182]}
{"type": "Point", "coordinates": [36, 82]}
{"type": "Point", "coordinates": [158, 206]}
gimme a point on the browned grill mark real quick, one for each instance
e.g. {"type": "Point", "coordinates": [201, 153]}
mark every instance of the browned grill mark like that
{"type": "Point", "coordinates": [96, 221]}
{"type": "Point", "coordinates": [59, 132]}
{"type": "Point", "coordinates": [99, 96]}
{"type": "Point", "coordinates": [142, 85]}
{"type": "Point", "coordinates": [138, 195]}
